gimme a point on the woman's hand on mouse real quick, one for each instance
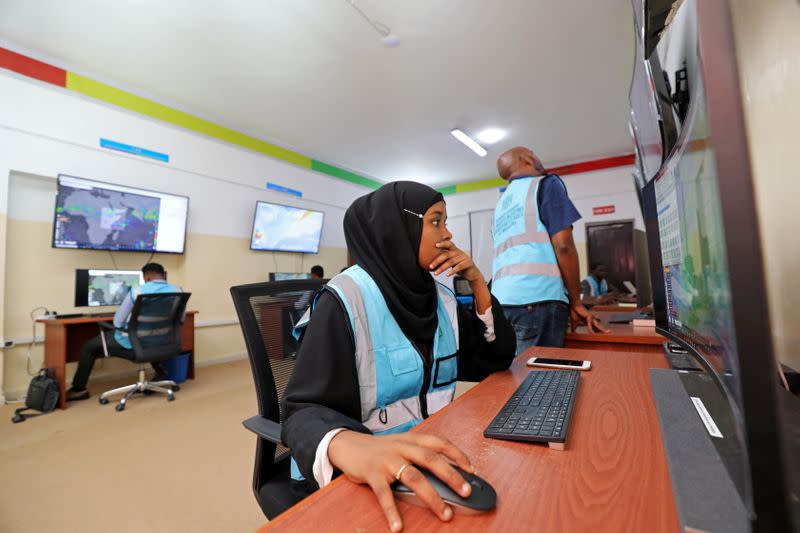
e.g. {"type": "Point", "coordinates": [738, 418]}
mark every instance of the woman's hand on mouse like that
{"type": "Point", "coordinates": [375, 460]}
{"type": "Point", "coordinates": [456, 260]}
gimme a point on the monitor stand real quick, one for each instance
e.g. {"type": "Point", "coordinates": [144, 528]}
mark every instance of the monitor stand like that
{"type": "Point", "coordinates": [705, 494]}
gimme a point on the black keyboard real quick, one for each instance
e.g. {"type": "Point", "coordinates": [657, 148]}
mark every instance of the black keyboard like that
{"type": "Point", "coordinates": [100, 314]}
{"type": "Point", "coordinates": [539, 410]}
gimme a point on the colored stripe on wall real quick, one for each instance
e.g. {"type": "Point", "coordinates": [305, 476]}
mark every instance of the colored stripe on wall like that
{"type": "Point", "coordinates": [565, 170]}
{"type": "Point", "coordinates": [126, 100]}
{"type": "Point", "coordinates": [596, 164]}
{"type": "Point", "coordinates": [39, 70]}
{"type": "Point", "coordinates": [32, 68]}
{"type": "Point", "coordinates": [481, 184]}
{"type": "Point", "coordinates": [343, 174]}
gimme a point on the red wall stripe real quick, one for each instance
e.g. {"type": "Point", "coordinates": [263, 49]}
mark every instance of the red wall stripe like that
{"type": "Point", "coordinates": [597, 164]}
{"type": "Point", "coordinates": [32, 68]}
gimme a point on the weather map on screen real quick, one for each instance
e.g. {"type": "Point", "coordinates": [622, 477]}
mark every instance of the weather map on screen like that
{"type": "Point", "coordinates": [286, 229]}
{"type": "Point", "coordinates": [693, 251]}
{"type": "Point", "coordinates": [104, 216]}
{"type": "Point", "coordinates": [109, 287]}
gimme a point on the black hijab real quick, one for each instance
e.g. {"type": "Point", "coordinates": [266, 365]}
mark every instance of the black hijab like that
{"type": "Point", "coordinates": [384, 239]}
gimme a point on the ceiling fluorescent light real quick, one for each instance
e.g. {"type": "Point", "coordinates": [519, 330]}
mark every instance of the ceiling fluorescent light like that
{"type": "Point", "coordinates": [469, 141]}
{"type": "Point", "coordinates": [491, 135]}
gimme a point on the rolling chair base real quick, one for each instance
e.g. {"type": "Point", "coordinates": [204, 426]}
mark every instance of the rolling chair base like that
{"type": "Point", "coordinates": [167, 387]}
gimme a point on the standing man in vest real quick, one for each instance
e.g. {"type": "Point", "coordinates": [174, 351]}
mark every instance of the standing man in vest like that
{"type": "Point", "coordinates": [535, 267]}
{"type": "Point", "coordinates": [155, 281]}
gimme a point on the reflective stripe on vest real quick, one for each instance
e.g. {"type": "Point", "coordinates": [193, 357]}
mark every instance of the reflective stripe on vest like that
{"type": "Point", "coordinates": [594, 288]}
{"type": "Point", "coordinates": [390, 369]}
{"type": "Point", "coordinates": [524, 269]}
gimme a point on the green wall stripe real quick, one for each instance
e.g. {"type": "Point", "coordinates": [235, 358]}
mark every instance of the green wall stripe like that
{"type": "Point", "coordinates": [447, 190]}
{"type": "Point", "coordinates": [481, 184]}
{"type": "Point", "coordinates": [343, 174]}
{"type": "Point", "coordinates": [126, 100]}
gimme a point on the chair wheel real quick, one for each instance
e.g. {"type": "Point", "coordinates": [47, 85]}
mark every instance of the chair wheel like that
{"type": "Point", "coordinates": [120, 407]}
{"type": "Point", "coordinates": [176, 388]}
{"type": "Point", "coordinates": [171, 397]}
{"type": "Point", "coordinates": [103, 401]}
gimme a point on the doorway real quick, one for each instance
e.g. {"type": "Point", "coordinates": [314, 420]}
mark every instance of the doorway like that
{"type": "Point", "coordinates": [611, 243]}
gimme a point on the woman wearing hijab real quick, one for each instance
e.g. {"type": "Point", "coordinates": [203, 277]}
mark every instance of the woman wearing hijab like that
{"type": "Point", "coordinates": [383, 348]}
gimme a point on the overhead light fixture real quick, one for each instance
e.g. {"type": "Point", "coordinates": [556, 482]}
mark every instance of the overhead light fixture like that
{"type": "Point", "coordinates": [491, 135]}
{"type": "Point", "coordinates": [469, 141]}
{"type": "Point", "coordinates": [389, 39]}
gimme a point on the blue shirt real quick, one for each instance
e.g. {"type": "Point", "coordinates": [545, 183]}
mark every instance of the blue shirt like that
{"type": "Point", "coordinates": [556, 210]}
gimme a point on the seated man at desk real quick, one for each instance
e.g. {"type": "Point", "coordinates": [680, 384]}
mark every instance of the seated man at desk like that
{"type": "Point", "coordinates": [155, 278]}
{"type": "Point", "coordinates": [317, 272]}
{"type": "Point", "coordinates": [596, 290]}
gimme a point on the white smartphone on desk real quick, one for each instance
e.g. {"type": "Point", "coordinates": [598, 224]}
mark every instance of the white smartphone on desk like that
{"type": "Point", "coordinates": [567, 364]}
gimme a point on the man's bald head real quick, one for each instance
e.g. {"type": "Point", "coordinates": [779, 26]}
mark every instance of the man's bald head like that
{"type": "Point", "coordinates": [519, 161]}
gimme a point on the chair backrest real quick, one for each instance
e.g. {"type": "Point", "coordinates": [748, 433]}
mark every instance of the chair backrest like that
{"type": "Point", "coordinates": [154, 327]}
{"type": "Point", "coordinates": [268, 312]}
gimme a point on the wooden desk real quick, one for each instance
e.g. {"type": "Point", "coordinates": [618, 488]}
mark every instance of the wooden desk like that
{"type": "Point", "coordinates": [64, 337]}
{"type": "Point", "coordinates": [621, 337]}
{"type": "Point", "coordinates": [612, 476]}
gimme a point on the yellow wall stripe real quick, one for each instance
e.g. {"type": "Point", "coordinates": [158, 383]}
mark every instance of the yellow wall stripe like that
{"type": "Point", "coordinates": [481, 184]}
{"type": "Point", "coordinates": [126, 100]}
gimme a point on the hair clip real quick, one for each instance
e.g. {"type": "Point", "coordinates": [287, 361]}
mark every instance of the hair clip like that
{"type": "Point", "coordinates": [412, 213]}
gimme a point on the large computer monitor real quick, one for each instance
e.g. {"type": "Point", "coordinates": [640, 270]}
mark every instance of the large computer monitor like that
{"type": "Point", "coordinates": [709, 297]}
{"type": "Point", "coordinates": [95, 287]}
{"type": "Point", "coordinates": [282, 228]}
{"type": "Point", "coordinates": [282, 276]}
{"type": "Point", "coordinates": [95, 215]}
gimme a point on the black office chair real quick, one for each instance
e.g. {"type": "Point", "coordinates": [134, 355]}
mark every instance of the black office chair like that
{"type": "Point", "coordinates": [267, 313]}
{"type": "Point", "coordinates": [154, 329]}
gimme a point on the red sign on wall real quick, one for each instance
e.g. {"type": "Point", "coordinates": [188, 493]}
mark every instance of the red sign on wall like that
{"type": "Point", "coordinates": [603, 210]}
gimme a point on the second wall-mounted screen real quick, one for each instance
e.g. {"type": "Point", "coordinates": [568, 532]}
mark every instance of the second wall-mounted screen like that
{"type": "Point", "coordinates": [283, 228]}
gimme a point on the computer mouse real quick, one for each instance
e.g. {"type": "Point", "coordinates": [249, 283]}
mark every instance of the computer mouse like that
{"type": "Point", "coordinates": [482, 499]}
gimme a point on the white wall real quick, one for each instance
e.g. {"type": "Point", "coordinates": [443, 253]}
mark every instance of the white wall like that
{"type": "Point", "coordinates": [586, 190]}
{"type": "Point", "coordinates": [46, 130]}
{"type": "Point", "coordinates": [768, 48]}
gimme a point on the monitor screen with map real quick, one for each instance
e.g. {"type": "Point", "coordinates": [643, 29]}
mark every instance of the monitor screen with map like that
{"type": "Point", "coordinates": [286, 229]}
{"type": "Point", "coordinates": [694, 258]}
{"type": "Point", "coordinates": [103, 216]}
{"type": "Point", "coordinates": [105, 287]}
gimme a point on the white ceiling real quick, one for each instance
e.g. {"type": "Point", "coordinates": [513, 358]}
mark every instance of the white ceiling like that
{"type": "Point", "coordinates": [313, 76]}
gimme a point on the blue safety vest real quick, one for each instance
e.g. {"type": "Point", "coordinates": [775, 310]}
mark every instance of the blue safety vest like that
{"type": "Point", "coordinates": [151, 287]}
{"type": "Point", "coordinates": [396, 389]}
{"type": "Point", "coordinates": [596, 289]}
{"type": "Point", "coordinates": [524, 270]}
